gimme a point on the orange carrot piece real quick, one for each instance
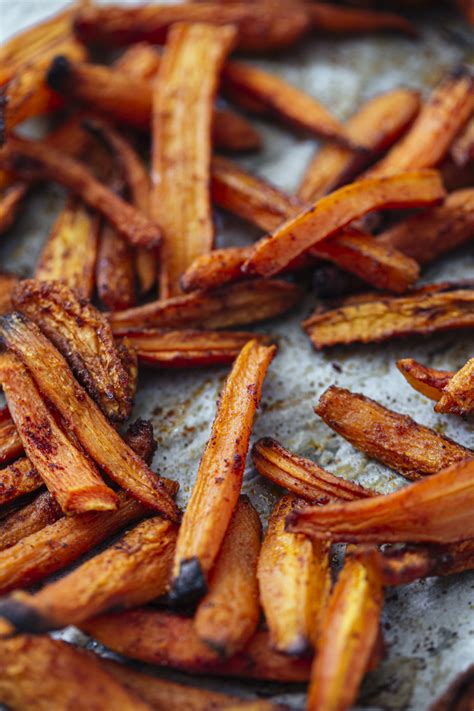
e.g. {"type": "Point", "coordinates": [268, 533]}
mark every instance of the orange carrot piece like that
{"type": "Point", "coordinates": [427, 381]}
{"type": "Point", "coordinates": [18, 479]}
{"type": "Point", "coordinates": [42, 511]}
{"type": "Point", "coordinates": [348, 20]}
{"type": "Point", "coordinates": [457, 396]}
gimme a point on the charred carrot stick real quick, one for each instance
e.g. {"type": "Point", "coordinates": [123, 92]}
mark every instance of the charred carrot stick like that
{"type": "Point", "coordinates": [332, 213]}
{"type": "Point", "coordinates": [18, 479]}
{"type": "Point", "coordinates": [82, 416]}
{"type": "Point", "coordinates": [349, 20]}
{"type": "Point", "coordinates": [181, 145]}
{"type": "Point", "coordinates": [375, 430]}
{"type": "Point", "coordinates": [37, 159]}
{"type": "Point", "coordinates": [31, 518]}
{"type": "Point", "coordinates": [300, 475]}
{"type": "Point", "coordinates": [348, 635]}
{"type": "Point", "coordinates": [427, 381]}
{"type": "Point", "coordinates": [10, 202]}
{"type": "Point", "coordinates": [83, 335]}
{"type": "Point", "coordinates": [260, 27]}
{"type": "Point", "coordinates": [228, 615]}
{"type": "Point", "coordinates": [219, 478]}
{"type": "Point", "coordinates": [294, 580]}
{"type": "Point", "coordinates": [234, 305]}
{"type": "Point", "coordinates": [67, 472]}
{"type": "Point", "coordinates": [379, 319]}
{"type": "Point", "coordinates": [376, 125]}
{"type": "Point", "coordinates": [169, 640]}
{"type": "Point", "coordinates": [437, 509]}
{"type": "Point", "coordinates": [10, 443]}
{"type": "Point", "coordinates": [429, 139]}
{"type": "Point", "coordinates": [457, 396]}
{"type": "Point", "coordinates": [42, 673]}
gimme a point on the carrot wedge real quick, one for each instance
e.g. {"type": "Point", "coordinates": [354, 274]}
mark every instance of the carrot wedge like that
{"type": "Point", "coordinates": [31, 518]}
{"type": "Point", "coordinates": [10, 202]}
{"type": "Point", "coordinates": [348, 636]}
{"type": "Point", "coordinates": [66, 471]}
{"type": "Point", "coordinates": [82, 416]}
{"type": "Point", "coordinates": [349, 20]}
{"type": "Point", "coordinates": [181, 145]}
{"type": "Point", "coordinates": [294, 579]}
{"type": "Point", "coordinates": [228, 615]}
{"type": "Point", "coordinates": [10, 443]}
{"type": "Point", "coordinates": [300, 475]}
{"type": "Point", "coordinates": [427, 381]}
{"type": "Point", "coordinates": [457, 396]}
{"type": "Point", "coordinates": [437, 509]}
{"type": "Point", "coordinates": [42, 673]}
{"type": "Point", "coordinates": [234, 305]}
{"type": "Point", "coordinates": [376, 431]}
{"type": "Point", "coordinates": [37, 159]}
{"type": "Point", "coordinates": [219, 478]}
{"type": "Point", "coordinates": [18, 479]}
{"type": "Point", "coordinates": [332, 213]}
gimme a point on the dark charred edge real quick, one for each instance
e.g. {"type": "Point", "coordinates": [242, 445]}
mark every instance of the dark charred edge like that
{"type": "Point", "coordinates": [59, 73]}
{"type": "Point", "coordinates": [190, 585]}
{"type": "Point", "coordinates": [24, 618]}
{"type": "Point", "coordinates": [3, 115]}
{"type": "Point", "coordinates": [140, 437]}
{"type": "Point", "coordinates": [458, 694]}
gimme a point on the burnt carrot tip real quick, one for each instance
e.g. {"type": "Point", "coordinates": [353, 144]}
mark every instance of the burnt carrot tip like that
{"type": "Point", "coordinates": [190, 585]}
{"type": "Point", "coordinates": [58, 73]}
{"type": "Point", "coordinates": [23, 617]}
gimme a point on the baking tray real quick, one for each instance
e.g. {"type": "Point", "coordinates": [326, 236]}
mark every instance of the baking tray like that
{"type": "Point", "coordinates": [428, 626]}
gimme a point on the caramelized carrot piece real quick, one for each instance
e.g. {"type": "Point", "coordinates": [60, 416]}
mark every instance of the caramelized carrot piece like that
{"type": "Point", "coordinates": [376, 431]}
{"type": "Point", "coordinates": [181, 145]}
{"type": "Point", "coordinates": [37, 159]}
{"type": "Point", "coordinates": [294, 579]}
{"type": "Point", "coordinates": [228, 615]}
{"type": "Point", "coordinates": [457, 396]}
{"type": "Point", "coordinates": [18, 479]}
{"type": "Point", "coordinates": [10, 202]}
{"type": "Point", "coordinates": [348, 20]}
{"type": "Point", "coordinates": [427, 381]}
{"type": "Point", "coordinates": [31, 518]}
{"type": "Point", "coordinates": [219, 478]}
{"type": "Point", "coordinates": [332, 213]}
{"type": "Point", "coordinates": [82, 416]}
{"type": "Point", "coordinates": [115, 273]}
{"type": "Point", "coordinates": [10, 443]}
{"type": "Point", "coordinates": [140, 437]}
{"type": "Point", "coordinates": [348, 636]}
{"type": "Point", "coordinates": [437, 509]}
{"type": "Point", "coordinates": [376, 125]}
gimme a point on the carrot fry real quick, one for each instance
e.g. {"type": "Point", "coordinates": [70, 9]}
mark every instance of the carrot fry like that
{"type": "Point", "coordinates": [130, 572]}
{"type": "Point", "coordinates": [462, 148]}
{"type": "Point", "coordinates": [376, 125]}
{"type": "Point", "coordinates": [10, 443]}
{"type": "Point", "coordinates": [181, 145]}
{"type": "Point", "coordinates": [234, 305]}
{"type": "Point", "coordinates": [115, 274]}
{"type": "Point", "coordinates": [460, 693]}
{"type": "Point", "coordinates": [457, 396]}
{"type": "Point", "coordinates": [348, 20]}
{"type": "Point", "coordinates": [18, 479]}
{"type": "Point", "coordinates": [261, 27]}
{"type": "Point", "coordinates": [7, 284]}
{"type": "Point", "coordinates": [43, 673]}
{"type": "Point", "coordinates": [29, 519]}
{"type": "Point", "coordinates": [233, 132]}
{"type": "Point", "coordinates": [170, 640]}
{"type": "Point", "coordinates": [302, 476]}
{"type": "Point", "coordinates": [82, 416]}
{"type": "Point", "coordinates": [228, 615]}
{"type": "Point", "coordinates": [140, 437]}
{"type": "Point", "coordinates": [335, 211]}
{"type": "Point", "coordinates": [382, 318]}
{"type": "Point", "coordinates": [429, 139]}
{"type": "Point", "coordinates": [428, 235]}
{"type": "Point", "coordinates": [437, 509]}
{"type": "Point", "coordinates": [348, 636]}
{"type": "Point", "coordinates": [294, 579]}
{"type": "Point", "coordinates": [83, 335]}
{"type": "Point", "coordinates": [37, 159]}
{"type": "Point", "coordinates": [219, 478]}
{"type": "Point", "coordinates": [427, 381]}
{"type": "Point", "coordinates": [10, 202]}
{"type": "Point", "coordinates": [282, 100]}
{"type": "Point", "coordinates": [70, 476]}
{"type": "Point", "coordinates": [376, 431]}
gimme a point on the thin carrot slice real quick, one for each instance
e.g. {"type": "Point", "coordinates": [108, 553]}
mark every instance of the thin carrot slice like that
{"type": "Point", "coordinates": [427, 381]}
{"type": "Point", "coordinates": [10, 443]}
{"type": "Point", "coordinates": [332, 213]}
{"type": "Point", "coordinates": [10, 202]}
{"type": "Point", "coordinates": [219, 478]}
{"type": "Point", "coordinates": [234, 305]}
{"type": "Point", "coordinates": [115, 273]}
{"type": "Point", "coordinates": [300, 475]}
{"type": "Point", "coordinates": [37, 159]}
{"type": "Point", "coordinates": [17, 480]}
{"type": "Point", "coordinates": [348, 20]}
{"type": "Point", "coordinates": [42, 511]}
{"type": "Point", "coordinates": [82, 416]}
{"type": "Point", "coordinates": [348, 636]}
{"type": "Point", "coordinates": [294, 580]}
{"type": "Point", "coordinates": [382, 318]}
{"type": "Point", "coordinates": [181, 145]}
{"type": "Point", "coordinates": [376, 431]}
{"type": "Point", "coordinates": [228, 615]}
{"type": "Point", "coordinates": [376, 125]}
{"type": "Point", "coordinates": [429, 139]}
{"type": "Point", "coordinates": [437, 509]}
{"type": "Point", "coordinates": [457, 396]}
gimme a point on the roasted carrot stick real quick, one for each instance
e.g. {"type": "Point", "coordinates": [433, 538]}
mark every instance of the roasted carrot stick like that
{"type": "Point", "coordinates": [457, 396]}
{"type": "Point", "coordinates": [82, 416]}
{"type": "Point", "coordinates": [181, 145]}
{"type": "Point", "coordinates": [219, 478]}
{"type": "Point", "coordinates": [67, 472]}
{"type": "Point", "coordinates": [376, 431]}
{"type": "Point", "coordinates": [348, 20]}
{"type": "Point", "coordinates": [331, 213]}
{"type": "Point", "coordinates": [437, 509]}
{"type": "Point", "coordinates": [294, 580]}
{"type": "Point", "coordinates": [31, 518]}
{"type": "Point", "coordinates": [18, 479]}
{"type": "Point", "coordinates": [10, 202]}
{"type": "Point", "coordinates": [300, 475]}
{"type": "Point", "coordinates": [427, 381]}
{"type": "Point", "coordinates": [37, 159]}
{"type": "Point", "coordinates": [228, 615]}
{"type": "Point", "coordinates": [10, 443]}
{"type": "Point", "coordinates": [115, 273]}
{"type": "Point", "coordinates": [234, 305]}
